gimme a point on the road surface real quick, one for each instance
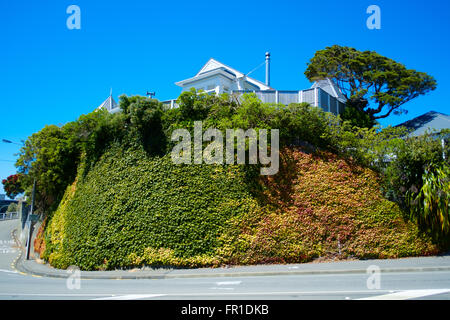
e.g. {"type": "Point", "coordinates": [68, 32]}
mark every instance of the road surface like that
{"type": "Point", "coordinates": [341, 286]}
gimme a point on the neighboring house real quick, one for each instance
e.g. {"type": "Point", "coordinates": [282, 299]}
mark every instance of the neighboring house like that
{"type": "Point", "coordinates": [110, 105]}
{"type": "Point", "coordinates": [430, 121]}
{"type": "Point", "coordinates": [217, 78]}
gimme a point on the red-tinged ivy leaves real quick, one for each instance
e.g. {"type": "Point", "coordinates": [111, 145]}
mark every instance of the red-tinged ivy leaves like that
{"type": "Point", "coordinates": [328, 207]}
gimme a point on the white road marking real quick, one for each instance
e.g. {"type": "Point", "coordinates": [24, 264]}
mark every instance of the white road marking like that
{"type": "Point", "coordinates": [106, 296]}
{"type": "Point", "coordinates": [7, 271]}
{"type": "Point", "coordinates": [385, 294]}
{"type": "Point", "coordinates": [221, 284]}
{"type": "Point", "coordinates": [407, 294]}
{"type": "Point", "coordinates": [228, 283]}
{"type": "Point", "coordinates": [55, 294]}
{"type": "Point", "coordinates": [131, 297]}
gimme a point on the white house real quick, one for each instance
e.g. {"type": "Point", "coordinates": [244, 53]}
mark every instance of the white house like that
{"type": "Point", "coordinates": [217, 78]}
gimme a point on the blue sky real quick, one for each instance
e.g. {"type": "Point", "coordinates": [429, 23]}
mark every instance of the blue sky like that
{"type": "Point", "coordinates": [51, 75]}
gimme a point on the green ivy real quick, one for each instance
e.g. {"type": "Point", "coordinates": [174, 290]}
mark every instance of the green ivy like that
{"type": "Point", "coordinates": [130, 202]}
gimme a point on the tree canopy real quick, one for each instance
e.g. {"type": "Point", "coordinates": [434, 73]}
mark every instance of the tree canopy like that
{"type": "Point", "coordinates": [372, 83]}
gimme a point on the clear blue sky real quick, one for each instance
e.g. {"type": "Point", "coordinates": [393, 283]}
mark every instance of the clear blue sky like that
{"type": "Point", "coordinates": [51, 75]}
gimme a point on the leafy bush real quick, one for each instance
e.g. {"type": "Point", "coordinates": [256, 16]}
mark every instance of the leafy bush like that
{"type": "Point", "coordinates": [12, 207]}
{"type": "Point", "coordinates": [430, 205]}
{"type": "Point", "coordinates": [410, 158]}
{"type": "Point", "coordinates": [51, 157]}
{"type": "Point", "coordinates": [357, 117]}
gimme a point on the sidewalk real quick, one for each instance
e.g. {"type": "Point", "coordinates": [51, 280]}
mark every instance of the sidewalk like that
{"type": "Point", "coordinates": [421, 264]}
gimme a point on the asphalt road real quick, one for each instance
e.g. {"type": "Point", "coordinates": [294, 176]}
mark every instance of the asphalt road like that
{"type": "Point", "coordinates": [340, 286]}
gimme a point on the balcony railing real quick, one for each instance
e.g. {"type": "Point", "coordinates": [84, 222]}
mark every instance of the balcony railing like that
{"type": "Point", "coordinates": [314, 96]}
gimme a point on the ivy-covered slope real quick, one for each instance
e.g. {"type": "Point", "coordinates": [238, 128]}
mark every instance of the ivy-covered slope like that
{"type": "Point", "coordinates": [130, 209]}
{"type": "Point", "coordinates": [324, 207]}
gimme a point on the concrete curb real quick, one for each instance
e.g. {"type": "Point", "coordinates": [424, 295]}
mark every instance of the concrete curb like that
{"type": "Point", "coordinates": [143, 274]}
{"type": "Point", "coordinates": [148, 275]}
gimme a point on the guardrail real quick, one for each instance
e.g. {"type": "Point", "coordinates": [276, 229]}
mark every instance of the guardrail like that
{"type": "Point", "coordinates": [9, 216]}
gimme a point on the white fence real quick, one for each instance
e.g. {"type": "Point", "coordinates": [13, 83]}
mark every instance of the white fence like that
{"type": "Point", "coordinates": [9, 215]}
{"type": "Point", "coordinates": [314, 96]}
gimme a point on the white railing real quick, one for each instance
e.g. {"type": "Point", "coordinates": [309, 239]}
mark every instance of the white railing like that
{"type": "Point", "coordinates": [9, 215]}
{"type": "Point", "coordinates": [314, 96]}
{"type": "Point", "coordinates": [170, 103]}
{"type": "Point", "coordinates": [283, 96]}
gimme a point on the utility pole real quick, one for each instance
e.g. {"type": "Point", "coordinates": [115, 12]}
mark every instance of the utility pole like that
{"type": "Point", "coordinates": [30, 222]}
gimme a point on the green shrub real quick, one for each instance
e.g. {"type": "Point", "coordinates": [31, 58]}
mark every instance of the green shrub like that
{"type": "Point", "coordinates": [130, 202]}
{"type": "Point", "coordinates": [13, 207]}
{"type": "Point", "coordinates": [430, 205]}
{"type": "Point", "coordinates": [410, 158]}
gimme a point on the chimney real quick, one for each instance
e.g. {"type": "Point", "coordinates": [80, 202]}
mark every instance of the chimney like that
{"type": "Point", "coordinates": [267, 68]}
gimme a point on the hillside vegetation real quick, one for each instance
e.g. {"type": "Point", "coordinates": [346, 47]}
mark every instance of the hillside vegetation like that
{"type": "Point", "coordinates": [113, 198]}
{"type": "Point", "coordinates": [132, 210]}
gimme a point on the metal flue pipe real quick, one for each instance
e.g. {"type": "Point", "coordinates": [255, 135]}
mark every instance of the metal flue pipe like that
{"type": "Point", "coordinates": [267, 68]}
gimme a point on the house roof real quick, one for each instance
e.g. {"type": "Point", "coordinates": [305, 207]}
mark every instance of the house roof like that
{"type": "Point", "coordinates": [109, 104]}
{"type": "Point", "coordinates": [207, 74]}
{"type": "Point", "coordinates": [429, 121]}
{"type": "Point", "coordinates": [214, 67]}
{"type": "Point", "coordinates": [330, 87]}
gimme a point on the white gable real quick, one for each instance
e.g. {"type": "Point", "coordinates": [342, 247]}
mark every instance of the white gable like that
{"type": "Point", "coordinates": [219, 77]}
{"type": "Point", "coordinates": [213, 64]}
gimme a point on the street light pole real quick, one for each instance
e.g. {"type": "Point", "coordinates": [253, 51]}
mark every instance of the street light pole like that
{"type": "Point", "coordinates": [30, 222]}
{"type": "Point", "coordinates": [9, 141]}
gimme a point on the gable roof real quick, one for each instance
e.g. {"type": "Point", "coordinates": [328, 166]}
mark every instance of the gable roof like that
{"type": "Point", "coordinates": [213, 66]}
{"type": "Point", "coordinates": [429, 121]}
{"type": "Point", "coordinates": [109, 104]}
